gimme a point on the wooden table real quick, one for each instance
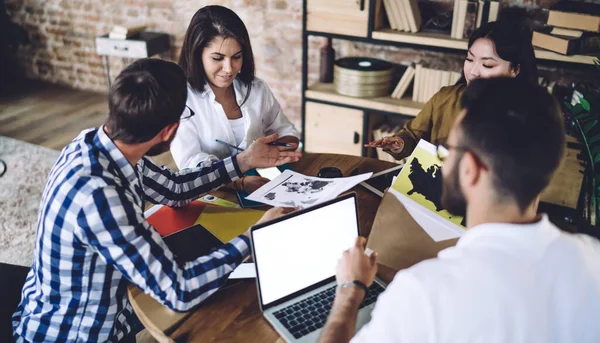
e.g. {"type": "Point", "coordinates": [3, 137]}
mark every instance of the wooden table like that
{"type": "Point", "coordinates": [233, 314]}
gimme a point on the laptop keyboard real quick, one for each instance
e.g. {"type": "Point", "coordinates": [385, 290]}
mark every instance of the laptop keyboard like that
{"type": "Point", "coordinates": [310, 314]}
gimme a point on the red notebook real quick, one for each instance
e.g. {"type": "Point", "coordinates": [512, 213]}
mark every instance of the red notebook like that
{"type": "Point", "coordinates": [167, 220]}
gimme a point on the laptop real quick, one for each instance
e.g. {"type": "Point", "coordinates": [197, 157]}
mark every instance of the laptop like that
{"type": "Point", "coordinates": [296, 258]}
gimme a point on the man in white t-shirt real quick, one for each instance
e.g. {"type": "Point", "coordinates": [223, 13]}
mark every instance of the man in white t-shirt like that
{"type": "Point", "coordinates": [513, 276]}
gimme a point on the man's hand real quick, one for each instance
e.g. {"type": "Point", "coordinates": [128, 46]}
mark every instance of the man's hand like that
{"type": "Point", "coordinates": [271, 214]}
{"type": "Point", "coordinates": [356, 265]}
{"type": "Point", "coordinates": [261, 155]}
{"type": "Point", "coordinates": [251, 183]}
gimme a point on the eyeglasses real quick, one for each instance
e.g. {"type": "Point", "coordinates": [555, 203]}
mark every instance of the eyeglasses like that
{"type": "Point", "coordinates": [188, 115]}
{"type": "Point", "coordinates": [443, 153]}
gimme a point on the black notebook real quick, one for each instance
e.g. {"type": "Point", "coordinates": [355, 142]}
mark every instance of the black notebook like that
{"type": "Point", "coordinates": [191, 243]}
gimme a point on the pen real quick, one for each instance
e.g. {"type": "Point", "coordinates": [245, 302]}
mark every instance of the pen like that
{"type": "Point", "coordinates": [229, 145]}
{"type": "Point", "coordinates": [279, 144]}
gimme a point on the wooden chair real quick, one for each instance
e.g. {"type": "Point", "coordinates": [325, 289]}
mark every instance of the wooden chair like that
{"type": "Point", "coordinates": [158, 319]}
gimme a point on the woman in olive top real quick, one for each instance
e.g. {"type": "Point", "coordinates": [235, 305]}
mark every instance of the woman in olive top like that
{"type": "Point", "coordinates": [496, 49]}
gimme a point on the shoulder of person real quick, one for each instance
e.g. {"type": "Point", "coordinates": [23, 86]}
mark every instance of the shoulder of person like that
{"type": "Point", "coordinates": [258, 85]}
{"type": "Point", "coordinates": [451, 91]}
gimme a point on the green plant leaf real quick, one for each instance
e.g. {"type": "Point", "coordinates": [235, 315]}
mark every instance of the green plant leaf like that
{"type": "Point", "coordinates": [577, 109]}
{"type": "Point", "coordinates": [584, 116]}
{"type": "Point", "coordinates": [596, 152]}
{"type": "Point", "coordinates": [585, 104]}
{"type": "Point", "coordinates": [596, 159]}
{"type": "Point", "coordinates": [593, 140]}
{"type": "Point", "coordinates": [589, 126]}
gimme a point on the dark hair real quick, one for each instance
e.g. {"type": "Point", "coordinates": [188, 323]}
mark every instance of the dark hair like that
{"type": "Point", "coordinates": [513, 44]}
{"type": "Point", "coordinates": [516, 129]}
{"type": "Point", "coordinates": [147, 96]}
{"type": "Point", "coordinates": [210, 22]}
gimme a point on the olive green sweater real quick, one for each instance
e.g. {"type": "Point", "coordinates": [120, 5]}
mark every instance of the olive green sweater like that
{"type": "Point", "coordinates": [434, 122]}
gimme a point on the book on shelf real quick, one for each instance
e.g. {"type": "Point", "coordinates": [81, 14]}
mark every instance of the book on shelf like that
{"type": "Point", "coordinates": [469, 15]}
{"type": "Point", "coordinates": [429, 81]}
{"type": "Point", "coordinates": [454, 18]}
{"type": "Point", "coordinates": [417, 83]}
{"type": "Point", "coordinates": [494, 10]}
{"type": "Point", "coordinates": [400, 8]}
{"type": "Point", "coordinates": [462, 14]}
{"type": "Point", "coordinates": [559, 31]}
{"type": "Point", "coordinates": [387, 5]}
{"type": "Point", "coordinates": [396, 15]}
{"type": "Point", "coordinates": [575, 15]}
{"type": "Point", "coordinates": [587, 43]}
{"type": "Point", "coordinates": [480, 10]}
{"type": "Point", "coordinates": [402, 24]}
{"type": "Point", "coordinates": [411, 8]}
{"type": "Point", "coordinates": [404, 83]}
{"type": "Point", "coordinates": [470, 19]}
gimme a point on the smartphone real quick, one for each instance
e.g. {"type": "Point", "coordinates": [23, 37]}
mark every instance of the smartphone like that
{"type": "Point", "coordinates": [269, 173]}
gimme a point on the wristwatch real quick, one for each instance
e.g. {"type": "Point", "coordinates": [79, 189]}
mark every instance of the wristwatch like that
{"type": "Point", "coordinates": [355, 283]}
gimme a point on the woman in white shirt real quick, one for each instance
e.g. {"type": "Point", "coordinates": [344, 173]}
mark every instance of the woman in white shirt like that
{"type": "Point", "coordinates": [230, 103]}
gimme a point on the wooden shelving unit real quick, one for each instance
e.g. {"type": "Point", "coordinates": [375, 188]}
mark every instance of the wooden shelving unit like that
{"type": "Point", "coordinates": [443, 41]}
{"type": "Point", "coordinates": [335, 123]}
{"type": "Point", "coordinates": [326, 92]}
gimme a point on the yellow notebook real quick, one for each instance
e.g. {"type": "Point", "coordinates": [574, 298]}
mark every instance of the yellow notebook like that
{"type": "Point", "coordinates": [226, 223]}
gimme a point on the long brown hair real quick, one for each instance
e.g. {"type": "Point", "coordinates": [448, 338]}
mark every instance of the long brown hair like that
{"type": "Point", "coordinates": [210, 22]}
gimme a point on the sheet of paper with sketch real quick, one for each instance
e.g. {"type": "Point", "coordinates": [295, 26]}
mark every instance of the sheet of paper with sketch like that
{"type": "Point", "coordinates": [419, 188]}
{"type": "Point", "coordinates": [291, 189]}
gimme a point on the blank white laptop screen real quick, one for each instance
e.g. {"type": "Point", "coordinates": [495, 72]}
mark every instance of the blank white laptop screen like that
{"type": "Point", "coordinates": [300, 251]}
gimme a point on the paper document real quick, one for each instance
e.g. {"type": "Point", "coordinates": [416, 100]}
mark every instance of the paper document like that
{"type": "Point", "coordinates": [420, 186]}
{"type": "Point", "coordinates": [244, 271]}
{"type": "Point", "coordinates": [291, 189]}
{"type": "Point", "coordinates": [436, 227]}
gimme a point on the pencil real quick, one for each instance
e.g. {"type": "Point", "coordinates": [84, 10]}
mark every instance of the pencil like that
{"type": "Point", "coordinates": [229, 145]}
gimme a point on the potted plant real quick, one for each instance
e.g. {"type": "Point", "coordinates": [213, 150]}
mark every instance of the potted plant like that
{"type": "Point", "coordinates": [583, 114]}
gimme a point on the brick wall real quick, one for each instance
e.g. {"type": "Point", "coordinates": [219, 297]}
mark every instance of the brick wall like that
{"type": "Point", "coordinates": [62, 36]}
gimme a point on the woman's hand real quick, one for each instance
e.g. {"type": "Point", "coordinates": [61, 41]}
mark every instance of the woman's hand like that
{"type": "Point", "coordinates": [395, 144]}
{"type": "Point", "coordinates": [262, 155]}
{"type": "Point", "coordinates": [291, 140]}
{"type": "Point", "coordinates": [251, 183]}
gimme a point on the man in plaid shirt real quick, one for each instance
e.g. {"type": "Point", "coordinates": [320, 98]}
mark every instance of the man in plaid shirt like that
{"type": "Point", "coordinates": [92, 237]}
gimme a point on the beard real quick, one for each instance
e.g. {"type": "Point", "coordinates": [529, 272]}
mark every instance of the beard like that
{"type": "Point", "coordinates": [453, 199]}
{"type": "Point", "coordinates": [159, 149]}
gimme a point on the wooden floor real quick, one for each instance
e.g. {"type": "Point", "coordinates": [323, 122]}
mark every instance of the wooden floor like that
{"type": "Point", "coordinates": [51, 115]}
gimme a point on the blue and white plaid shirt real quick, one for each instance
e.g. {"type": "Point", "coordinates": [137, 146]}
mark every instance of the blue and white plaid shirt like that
{"type": "Point", "coordinates": [92, 239]}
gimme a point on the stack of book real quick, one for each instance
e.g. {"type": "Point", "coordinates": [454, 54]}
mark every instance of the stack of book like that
{"type": "Point", "coordinates": [403, 15]}
{"type": "Point", "coordinates": [573, 28]}
{"type": "Point", "coordinates": [125, 32]}
{"type": "Point", "coordinates": [469, 15]}
{"type": "Point", "coordinates": [427, 82]}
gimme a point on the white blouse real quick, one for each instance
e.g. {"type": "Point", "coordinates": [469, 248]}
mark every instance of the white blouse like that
{"type": "Point", "coordinates": [239, 129]}
{"type": "Point", "coordinates": [195, 142]}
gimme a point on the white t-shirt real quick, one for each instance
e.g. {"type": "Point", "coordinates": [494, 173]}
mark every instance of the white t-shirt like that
{"type": "Point", "coordinates": [237, 125]}
{"type": "Point", "coordinates": [195, 142]}
{"type": "Point", "coordinates": [500, 283]}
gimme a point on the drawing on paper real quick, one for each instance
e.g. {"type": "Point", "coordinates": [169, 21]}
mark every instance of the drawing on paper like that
{"type": "Point", "coordinates": [292, 189]}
